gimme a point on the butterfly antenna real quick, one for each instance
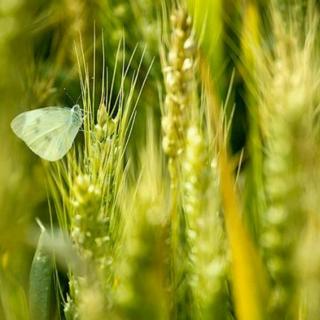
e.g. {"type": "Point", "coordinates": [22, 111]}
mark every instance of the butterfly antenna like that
{"type": "Point", "coordinates": [69, 96]}
{"type": "Point", "coordinates": [79, 96]}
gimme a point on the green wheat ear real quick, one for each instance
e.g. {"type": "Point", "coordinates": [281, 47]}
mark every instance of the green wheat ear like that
{"type": "Point", "coordinates": [142, 292]}
{"type": "Point", "coordinates": [178, 69]}
{"type": "Point", "coordinates": [208, 270]}
{"type": "Point", "coordinates": [287, 117]}
{"type": "Point", "coordinates": [87, 188]}
{"type": "Point", "coordinates": [178, 60]}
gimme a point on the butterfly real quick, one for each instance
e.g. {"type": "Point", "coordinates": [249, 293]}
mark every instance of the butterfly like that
{"type": "Point", "coordinates": [49, 132]}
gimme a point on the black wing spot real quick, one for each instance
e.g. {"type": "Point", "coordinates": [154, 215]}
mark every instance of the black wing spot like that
{"type": "Point", "coordinates": [47, 138]}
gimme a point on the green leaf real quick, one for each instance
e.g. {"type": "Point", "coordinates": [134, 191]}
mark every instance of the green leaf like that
{"type": "Point", "coordinates": [41, 278]}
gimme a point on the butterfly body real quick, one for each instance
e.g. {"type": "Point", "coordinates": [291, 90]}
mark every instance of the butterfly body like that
{"type": "Point", "coordinates": [49, 132]}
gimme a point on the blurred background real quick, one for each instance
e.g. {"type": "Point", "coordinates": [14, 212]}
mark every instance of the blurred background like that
{"type": "Point", "coordinates": [39, 67]}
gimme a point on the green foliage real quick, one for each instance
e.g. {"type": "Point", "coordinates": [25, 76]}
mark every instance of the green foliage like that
{"type": "Point", "coordinates": [161, 210]}
{"type": "Point", "coordinates": [41, 282]}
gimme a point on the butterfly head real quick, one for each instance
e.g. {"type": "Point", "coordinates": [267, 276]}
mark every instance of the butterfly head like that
{"type": "Point", "coordinates": [76, 108]}
{"type": "Point", "coordinates": [77, 114]}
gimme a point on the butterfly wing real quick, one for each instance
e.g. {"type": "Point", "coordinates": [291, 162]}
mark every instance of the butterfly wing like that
{"type": "Point", "coordinates": [56, 144]}
{"type": "Point", "coordinates": [48, 132]}
{"type": "Point", "coordinates": [30, 124]}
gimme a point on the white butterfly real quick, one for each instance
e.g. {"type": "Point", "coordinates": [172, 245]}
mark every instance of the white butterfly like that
{"type": "Point", "coordinates": [49, 132]}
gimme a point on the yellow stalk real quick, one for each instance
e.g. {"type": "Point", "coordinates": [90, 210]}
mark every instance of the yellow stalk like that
{"type": "Point", "coordinates": [250, 287]}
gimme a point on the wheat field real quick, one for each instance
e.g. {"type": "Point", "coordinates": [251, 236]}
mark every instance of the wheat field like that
{"type": "Point", "coordinates": [191, 189]}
